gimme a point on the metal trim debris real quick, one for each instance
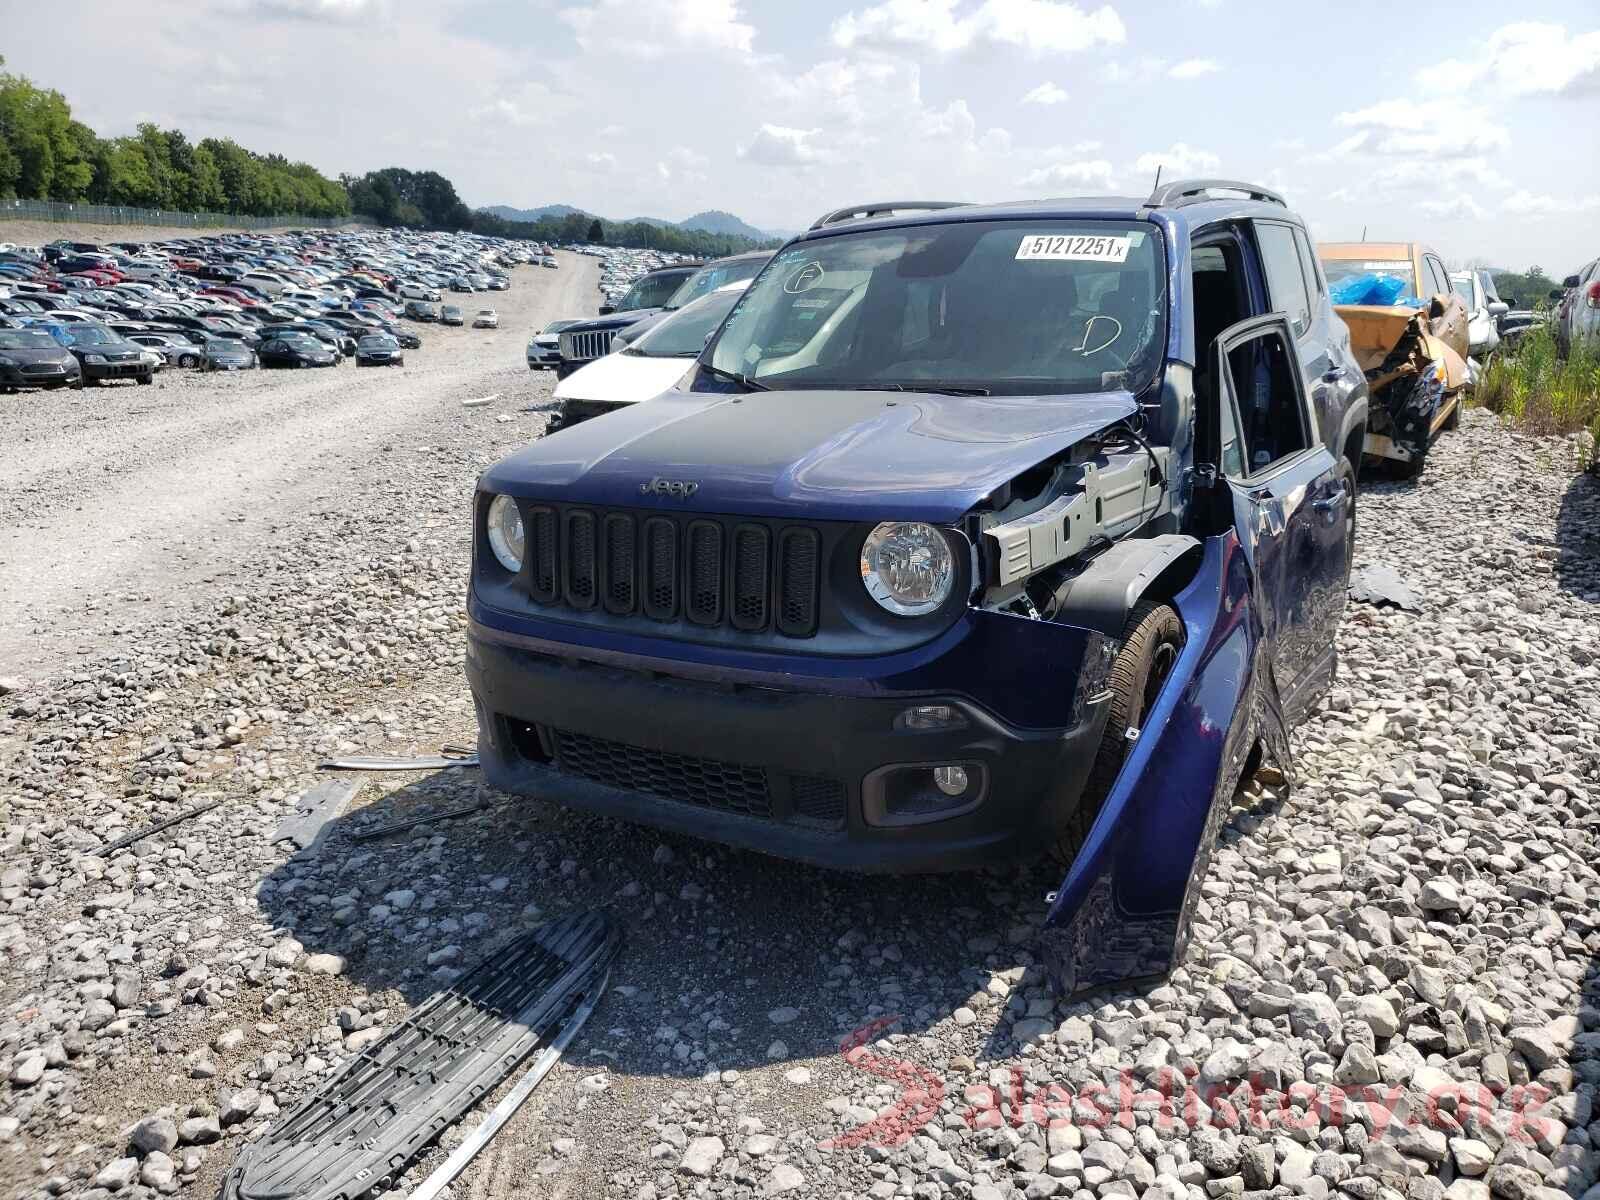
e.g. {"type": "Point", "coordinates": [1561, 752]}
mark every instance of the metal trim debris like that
{"type": "Point", "coordinates": [423, 762]}
{"type": "Point", "coordinates": [307, 825]}
{"type": "Point", "coordinates": [140, 834]}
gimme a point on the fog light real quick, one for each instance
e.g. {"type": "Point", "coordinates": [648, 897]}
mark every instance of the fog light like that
{"type": "Point", "coordinates": [952, 781]}
{"type": "Point", "coordinates": [922, 717]}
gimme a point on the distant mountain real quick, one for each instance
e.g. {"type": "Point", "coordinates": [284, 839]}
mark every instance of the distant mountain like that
{"type": "Point", "coordinates": [715, 221]}
{"type": "Point", "coordinates": [506, 213]}
{"type": "Point", "coordinates": [710, 221]}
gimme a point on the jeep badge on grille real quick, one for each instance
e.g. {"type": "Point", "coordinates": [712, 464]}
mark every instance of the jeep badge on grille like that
{"type": "Point", "coordinates": [678, 489]}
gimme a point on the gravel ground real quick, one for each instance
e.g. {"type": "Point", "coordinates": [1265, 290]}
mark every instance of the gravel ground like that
{"type": "Point", "coordinates": [1417, 912]}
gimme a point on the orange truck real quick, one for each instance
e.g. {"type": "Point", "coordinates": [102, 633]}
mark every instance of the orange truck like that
{"type": "Point", "coordinates": [1413, 350]}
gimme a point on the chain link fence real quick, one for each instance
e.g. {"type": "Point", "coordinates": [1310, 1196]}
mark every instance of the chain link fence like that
{"type": "Point", "coordinates": [116, 214]}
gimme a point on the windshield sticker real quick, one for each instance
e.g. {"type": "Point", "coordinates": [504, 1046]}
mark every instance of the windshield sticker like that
{"type": "Point", "coordinates": [1402, 265]}
{"type": "Point", "coordinates": [1039, 247]}
{"type": "Point", "coordinates": [803, 280]}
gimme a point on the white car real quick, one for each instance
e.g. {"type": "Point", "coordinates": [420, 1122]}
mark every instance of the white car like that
{"type": "Point", "coordinates": [1484, 310]}
{"type": "Point", "coordinates": [486, 318]}
{"type": "Point", "coordinates": [645, 368]}
{"type": "Point", "coordinates": [419, 291]}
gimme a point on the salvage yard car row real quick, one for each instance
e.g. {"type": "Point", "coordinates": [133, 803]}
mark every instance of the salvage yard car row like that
{"type": "Point", "coordinates": [75, 313]}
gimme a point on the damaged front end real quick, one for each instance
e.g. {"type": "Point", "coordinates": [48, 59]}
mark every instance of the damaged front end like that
{"type": "Point", "coordinates": [1123, 911]}
{"type": "Point", "coordinates": [1414, 377]}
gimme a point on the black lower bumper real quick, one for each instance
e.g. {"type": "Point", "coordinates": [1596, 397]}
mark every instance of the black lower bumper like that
{"type": "Point", "coordinates": [124, 370]}
{"type": "Point", "coordinates": [820, 778]}
{"type": "Point", "coordinates": [34, 377]}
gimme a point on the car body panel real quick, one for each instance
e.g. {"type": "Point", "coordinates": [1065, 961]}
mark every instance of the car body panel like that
{"type": "Point", "coordinates": [623, 378]}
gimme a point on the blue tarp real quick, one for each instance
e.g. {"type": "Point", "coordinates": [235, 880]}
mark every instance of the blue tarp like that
{"type": "Point", "coordinates": [1369, 289]}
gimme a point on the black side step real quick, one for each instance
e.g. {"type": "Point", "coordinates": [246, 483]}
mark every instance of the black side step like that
{"type": "Point", "coordinates": [354, 1136]}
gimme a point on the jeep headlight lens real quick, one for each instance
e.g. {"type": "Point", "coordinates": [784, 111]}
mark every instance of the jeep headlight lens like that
{"type": "Point", "coordinates": [94, 358]}
{"type": "Point", "coordinates": [907, 567]}
{"type": "Point", "coordinates": [505, 532]}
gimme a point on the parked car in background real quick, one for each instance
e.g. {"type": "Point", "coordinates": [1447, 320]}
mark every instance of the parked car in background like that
{"type": "Point", "coordinates": [714, 275]}
{"type": "Point", "coordinates": [175, 350]}
{"type": "Point", "coordinates": [31, 358]}
{"type": "Point", "coordinates": [419, 291]}
{"type": "Point", "coordinates": [461, 283]}
{"type": "Point", "coordinates": [1408, 328]}
{"type": "Point", "coordinates": [102, 355]}
{"type": "Point", "coordinates": [296, 350]}
{"type": "Point", "coordinates": [652, 362]}
{"type": "Point", "coordinates": [228, 354]}
{"type": "Point", "coordinates": [1037, 549]}
{"type": "Point", "coordinates": [544, 348]}
{"type": "Point", "coordinates": [421, 310]}
{"type": "Point", "coordinates": [1517, 324]}
{"type": "Point", "coordinates": [584, 341]}
{"type": "Point", "coordinates": [451, 314]}
{"type": "Point", "coordinates": [1577, 319]}
{"type": "Point", "coordinates": [486, 318]}
{"type": "Point", "coordinates": [1483, 312]}
{"type": "Point", "coordinates": [407, 339]}
{"type": "Point", "coordinates": [379, 350]}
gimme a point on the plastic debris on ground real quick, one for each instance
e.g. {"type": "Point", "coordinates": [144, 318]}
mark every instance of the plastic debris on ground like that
{"type": "Point", "coordinates": [1380, 585]}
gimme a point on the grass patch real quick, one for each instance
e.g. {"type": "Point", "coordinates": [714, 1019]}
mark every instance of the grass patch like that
{"type": "Point", "coordinates": [1541, 392]}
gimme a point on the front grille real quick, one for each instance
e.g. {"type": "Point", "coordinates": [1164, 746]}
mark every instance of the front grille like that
{"type": "Point", "coordinates": [703, 782]}
{"type": "Point", "coordinates": [590, 344]}
{"type": "Point", "coordinates": [818, 800]}
{"type": "Point", "coordinates": [702, 570]}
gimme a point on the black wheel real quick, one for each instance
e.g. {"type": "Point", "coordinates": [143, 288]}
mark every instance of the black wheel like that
{"type": "Point", "coordinates": [1153, 638]}
{"type": "Point", "coordinates": [146, 380]}
{"type": "Point", "coordinates": [188, 360]}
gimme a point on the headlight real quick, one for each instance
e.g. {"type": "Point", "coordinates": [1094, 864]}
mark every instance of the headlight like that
{"type": "Point", "coordinates": [7, 362]}
{"type": "Point", "coordinates": [907, 567]}
{"type": "Point", "coordinates": [505, 532]}
{"type": "Point", "coordinates": [94, 358]}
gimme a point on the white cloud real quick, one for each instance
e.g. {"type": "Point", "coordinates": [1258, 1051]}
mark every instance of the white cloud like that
{"type": "Point", "coordinates": [1524, 58]}
{"type": "Point", "coordinates": [1532, 204]}
{"type": "Point", "coordinates": [1443, 128]}
{"type": "Point", "coordinates": [1037, 27]}
{"type": "Point", "coordinates": [780, 146]}
{"type": "Point", "coordinates": [601, 161]}
{"type": "Point", "coordinates": [850, 91]}
{"type": "Point", "coordinates": [656, 28]}
{"type": "Point", "coordinates": [1193, 68]}
{"type": "Point", "coordinates": [1177, 161]}
{"type": "Point", "coordinates": [313, 10]}
{"type": "Point", "coordinates": [1459, 206]}
{"type": "Point", "coordinates": [1095, 174]}
{"type": "Point", "coordinates": [1046, 93]}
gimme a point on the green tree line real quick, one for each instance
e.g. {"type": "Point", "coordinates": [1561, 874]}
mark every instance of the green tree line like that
{"type": "Point", "coordinates": [47, 155]}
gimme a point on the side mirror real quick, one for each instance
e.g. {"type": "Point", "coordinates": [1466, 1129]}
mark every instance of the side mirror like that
{"type": "Point", "coordinates": [607, 309]}
{"type": "Point", "coordinates": [1498, 308]}
{"type": "Point", "coordinates": [1571, 281]}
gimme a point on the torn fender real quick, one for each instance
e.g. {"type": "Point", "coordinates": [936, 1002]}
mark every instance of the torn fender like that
{"type": "Point", "coordinates": [1123, 910]}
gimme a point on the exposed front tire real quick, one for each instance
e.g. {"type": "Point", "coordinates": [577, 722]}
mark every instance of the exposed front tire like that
{"type": "Point", "coordinates": [1153, 638]}
{"type": "Point", "coordinates": [188, 360]}
{"type": "Point", "coordinates": [146, 380]}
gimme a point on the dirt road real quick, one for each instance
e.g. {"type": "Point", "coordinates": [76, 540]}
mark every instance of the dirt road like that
{"type": "Point", "coordinates": [122, 505]}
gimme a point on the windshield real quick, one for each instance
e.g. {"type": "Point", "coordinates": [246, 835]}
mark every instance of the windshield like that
{"type": "Point", "coordinates": [1398, 269]}
{"type": "Point", "coordinates": [1463, 288]}
{"type": "Point", "coordinates": [683, 335]}
{"type": "Point", "coordinates": [91, 335]}
{"type": "Point", "coordinates": [709, 278]}
{"type": "Point", "coordinates": [995, 306]}
{"type": "Point", "coordinates": [26, 339]}
{"type": "Point", "coordinates": [650, 292]}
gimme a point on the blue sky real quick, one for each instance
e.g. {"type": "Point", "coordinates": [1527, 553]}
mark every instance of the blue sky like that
{"type": "Point", "coordinates": [1474, 128]}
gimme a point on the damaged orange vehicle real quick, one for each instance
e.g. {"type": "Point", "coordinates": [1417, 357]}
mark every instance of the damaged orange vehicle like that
{"type": "Point", "coordinates": [1408, 330]}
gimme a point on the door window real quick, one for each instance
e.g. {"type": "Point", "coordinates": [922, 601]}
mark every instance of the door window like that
{"type": "Point", "coordinates": [1271, 417]}
{"type": "Point", "coordinates": [1285, 279]}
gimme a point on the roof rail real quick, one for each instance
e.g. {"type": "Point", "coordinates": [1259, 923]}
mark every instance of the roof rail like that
{"type": "Point", "coordinates": [859, 212]}
{"type": "Point", "coordinates": [1192, 191]}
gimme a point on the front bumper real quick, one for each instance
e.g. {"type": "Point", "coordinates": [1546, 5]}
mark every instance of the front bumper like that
{"type": "Point", "coordinates": [788, 772]}
{"type": "Point", "coordinates": [117, 370]}
{"type": "Point", "coordinates": [40, 375]}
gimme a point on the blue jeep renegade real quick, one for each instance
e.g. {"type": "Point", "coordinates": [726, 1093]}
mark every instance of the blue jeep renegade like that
{"type": "Point", "coordinates": [975, 532]}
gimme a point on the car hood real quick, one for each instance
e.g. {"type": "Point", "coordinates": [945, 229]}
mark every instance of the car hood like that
{"type": "Point", "coordinates": [827, 455]}
{"type": "Point", "coordinates": [619, 320]}
{"type": "Point", "coordinates": [33, 356]}
{"type": "Point", "coordinates": [623, 378]}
